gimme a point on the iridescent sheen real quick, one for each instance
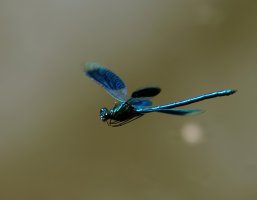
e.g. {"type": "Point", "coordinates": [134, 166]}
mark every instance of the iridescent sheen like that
{"type": "Point", "coordinates": [138, 104]}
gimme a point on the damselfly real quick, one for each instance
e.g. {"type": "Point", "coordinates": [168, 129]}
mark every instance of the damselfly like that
{"type": "Point", "coordinates": [138, 104]}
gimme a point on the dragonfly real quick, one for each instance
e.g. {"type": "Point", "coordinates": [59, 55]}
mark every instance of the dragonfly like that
{"type": "Point", "coordinates": [138, 104]}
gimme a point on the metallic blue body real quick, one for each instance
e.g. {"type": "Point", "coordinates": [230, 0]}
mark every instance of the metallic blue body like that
{"type": "Point", "coordinates": [188, 101]}
{"type": "Point", "coordinates": [139, 104]}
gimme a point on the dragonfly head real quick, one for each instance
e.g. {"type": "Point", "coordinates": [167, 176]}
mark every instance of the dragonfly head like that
{"type": "Point", "coordinates": [104, 114]}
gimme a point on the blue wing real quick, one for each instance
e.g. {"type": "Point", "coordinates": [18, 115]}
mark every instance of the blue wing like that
{"type": "Point", "coordinates": [146, 92]}
{"type": "Point", "coordinates": [181, 112]}
{"type": "Point", "coordinates": [187, 101]}
{"type": "Point", "coordinates": [139, 102]}
{"type": "Point", "coordinates": [107, 79]}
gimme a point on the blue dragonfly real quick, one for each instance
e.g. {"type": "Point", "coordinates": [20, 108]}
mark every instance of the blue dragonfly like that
{"type": "Point", "coordinates": [139, 103]}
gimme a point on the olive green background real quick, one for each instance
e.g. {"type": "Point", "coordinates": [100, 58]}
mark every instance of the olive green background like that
{"type": "Point", "coordinates": [53, 145]}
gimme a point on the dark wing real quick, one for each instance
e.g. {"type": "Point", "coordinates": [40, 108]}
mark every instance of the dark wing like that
{"type": "Point", "coordinates": [172, 111]}
{"type": "Point", "coordinates": [146, 92]}
{"type": "Point", "coordinates": [107, 79]}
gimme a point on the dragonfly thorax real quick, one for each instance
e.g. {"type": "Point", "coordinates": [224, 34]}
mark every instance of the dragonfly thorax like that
{"type": "Point", "coordinates": [104, 114]}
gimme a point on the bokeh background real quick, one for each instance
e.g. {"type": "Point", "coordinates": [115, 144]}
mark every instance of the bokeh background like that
{"type": "Point", "coordinates": [53, 145]}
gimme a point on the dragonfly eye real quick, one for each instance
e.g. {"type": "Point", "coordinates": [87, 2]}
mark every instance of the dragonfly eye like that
{"type": "Point", "coordinates": [104, 114]}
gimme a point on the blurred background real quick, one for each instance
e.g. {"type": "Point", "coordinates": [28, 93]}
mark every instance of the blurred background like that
{"type": "Point", "coordinates": [53, 145]}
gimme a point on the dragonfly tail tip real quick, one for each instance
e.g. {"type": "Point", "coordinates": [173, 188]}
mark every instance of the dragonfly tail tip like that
{"type": "Point", "coordinates": [233, 91]}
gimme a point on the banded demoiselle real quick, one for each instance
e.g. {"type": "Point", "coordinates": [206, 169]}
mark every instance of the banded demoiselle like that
{"type": "Point", "coordinates": [139, 103]}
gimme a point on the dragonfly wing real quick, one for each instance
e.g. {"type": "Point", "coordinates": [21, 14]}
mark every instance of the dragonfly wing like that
{"type": "Point", "coordinates": [172, 111]}
{"type": "Point", "coordinates": [181, 112]}
{"type": "Point", "coordinates": [107, 79]}
{"type": "Point", "coordinates": [146, 92]}
{"type": "Point", "coordinates": [139, 102]}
